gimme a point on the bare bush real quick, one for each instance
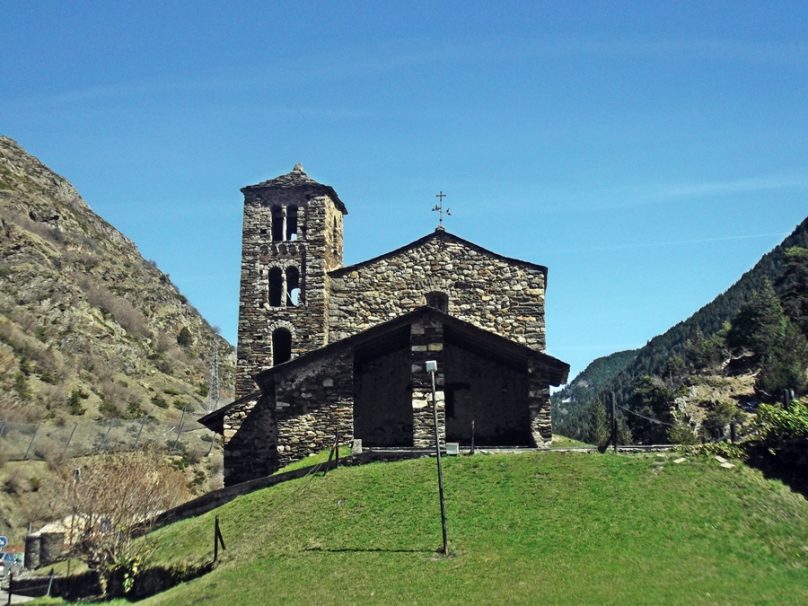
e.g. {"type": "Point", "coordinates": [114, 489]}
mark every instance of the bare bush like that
{"type": "Point", "coordinates": [112, 494]}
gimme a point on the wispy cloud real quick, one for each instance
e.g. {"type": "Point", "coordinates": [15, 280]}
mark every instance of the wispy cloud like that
{"type": "Point", "coordinates": [794, 181]}
{"type": "Point", "coordinates": [350, 62]}
{"type": "Point", "coordinates": [641, 245]}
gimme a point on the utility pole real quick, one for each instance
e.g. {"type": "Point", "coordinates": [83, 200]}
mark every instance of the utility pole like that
{"type": "Point", "coordinates": [432, 368]}
{"type": "Point", "coordinates": [614, 421]}
{"type": "Point", "coordinates": [213, 377]}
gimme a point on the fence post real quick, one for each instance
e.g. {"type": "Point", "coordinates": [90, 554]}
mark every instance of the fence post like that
{"type": "Point", "coordinates": [10, 583]}
{"type": "Point", "coordinates": [472, 436]}
{"type": "Point", "coordinates": [31, 443]}
{"type": "Point", "coordinates": [336, 450]}
{"type": "Point", "coordinates": [217, 539]}
{"type": "Point", "coordinates": [50, 582]}
{"type": "Point", "coordinates": [733, 431]}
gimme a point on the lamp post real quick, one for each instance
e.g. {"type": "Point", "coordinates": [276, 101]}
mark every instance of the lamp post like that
{"type": "Point", "coordinates": [432, 368]}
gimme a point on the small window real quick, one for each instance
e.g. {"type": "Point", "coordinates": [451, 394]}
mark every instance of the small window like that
{"type": "Point", "coordinates": [292, 287]}
{"type": "Point", "coordinates": [438, 300]}
{"type": "Point", "coordinates": [275, 286]}
{"type": "Point", "coordinates": [291, 223]}
{"type": "Point", "coordinates": [281, 346]}
{"type": "Point", "coordinates": [277, 224]}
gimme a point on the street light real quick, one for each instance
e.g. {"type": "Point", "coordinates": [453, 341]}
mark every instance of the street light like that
{"type": "Point", "coordinates": [432, 368]}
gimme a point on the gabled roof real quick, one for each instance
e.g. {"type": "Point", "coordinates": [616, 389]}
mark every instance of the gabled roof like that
{"type": "Point", "coordinates": [455, 330]}
{"type": "Point", "coordinates": [213, 420]}
{"type": "Point", "coordinates": [494, 342]}
{"type": "Point", "coordinates": [298, 179]}
{"type": "Point", "coordinates": [440, 234]}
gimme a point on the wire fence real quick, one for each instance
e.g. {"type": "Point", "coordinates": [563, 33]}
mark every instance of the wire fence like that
{"type": "Point", "coordinates": [42, 441]}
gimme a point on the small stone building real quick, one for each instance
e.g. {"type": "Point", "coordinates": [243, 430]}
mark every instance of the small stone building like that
{"type": "Point", "coordinates": [324, 348]}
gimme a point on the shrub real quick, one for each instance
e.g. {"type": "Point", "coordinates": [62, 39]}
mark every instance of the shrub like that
{"type": "Point", "coordinates": [74, 406]}
{"type": "Point", "coordinates": [184, 338]}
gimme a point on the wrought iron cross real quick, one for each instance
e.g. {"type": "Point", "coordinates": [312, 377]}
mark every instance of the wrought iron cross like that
{"type": "Point", "coordinates": [438, 208]}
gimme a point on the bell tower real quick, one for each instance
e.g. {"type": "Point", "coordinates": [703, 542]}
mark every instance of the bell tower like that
{"type": "Point", "coordinates": [291, 239]}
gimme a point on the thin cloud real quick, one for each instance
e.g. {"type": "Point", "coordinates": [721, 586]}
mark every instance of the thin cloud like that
{"type": "Point", "coordinates": [736, 186]}
{"type": "Point", "coordinates": [669, 243]}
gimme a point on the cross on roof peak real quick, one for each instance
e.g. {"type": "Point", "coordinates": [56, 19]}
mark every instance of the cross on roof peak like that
{"type": "Point", "coordinates": [438, 208]}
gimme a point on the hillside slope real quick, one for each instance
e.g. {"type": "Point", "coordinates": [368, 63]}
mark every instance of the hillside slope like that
{"type": "Point", "coordinates": [665, 357]}
{"type": "Point", "coordinates": [89, 330]}
{"type": "Point", "coordinates": [523, 529]}
{"type": "Point", "coordinates": [654, 357]}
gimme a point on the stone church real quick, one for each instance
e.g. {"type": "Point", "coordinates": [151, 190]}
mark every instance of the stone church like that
{"type": "Point", "coordinates": [324, 348]}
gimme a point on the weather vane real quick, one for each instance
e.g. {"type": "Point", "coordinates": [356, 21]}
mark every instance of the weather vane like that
{"type": "Point", "coordinates": [438, 208]}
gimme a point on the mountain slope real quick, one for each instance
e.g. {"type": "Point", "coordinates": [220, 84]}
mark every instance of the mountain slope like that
{"type": "Point", "coordinates": [654, 357]}
{"type": "Point", "coordinates": [89, 330]}
{"type": "Point", "coordinates": [663, 357]}
{"type": "Point", "coordinates": [81, 308]}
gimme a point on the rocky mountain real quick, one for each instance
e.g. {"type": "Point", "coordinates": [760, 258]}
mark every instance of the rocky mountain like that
{"type": "Point", "coordinates": [96, 343]}
{"type": "Point", "coordinates": [82, 312]}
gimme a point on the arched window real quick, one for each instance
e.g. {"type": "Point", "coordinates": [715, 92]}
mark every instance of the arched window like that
{"type": "Point", "coordinates": [291, 222]}
{"type": "Point", "coordinates": [292, 287]}
{"type": "Point", "coordinates": [275, 286]}
{"type": "Point", "coordinates": [438, 300]}
{"type": "Point", "coordinates": [281, 346]}
{"type": "Point", "coordinates": [277, 224]}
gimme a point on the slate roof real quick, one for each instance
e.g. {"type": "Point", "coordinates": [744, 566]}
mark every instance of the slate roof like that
{"type": "Point", "coordinates": [298, 178]}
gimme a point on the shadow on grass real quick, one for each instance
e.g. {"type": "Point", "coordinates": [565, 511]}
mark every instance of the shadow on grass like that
{"type": "Point", "coordinates": [368, 550]}
{"type": "Point", "coordinates": [791, 470]}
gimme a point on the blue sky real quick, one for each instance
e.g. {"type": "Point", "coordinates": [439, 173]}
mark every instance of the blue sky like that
{"type": "Point", "coordinates": [647, 153]}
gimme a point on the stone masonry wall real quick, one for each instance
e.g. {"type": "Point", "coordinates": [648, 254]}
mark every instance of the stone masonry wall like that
{"type": "Point", "coordinates": [312, 404]}
{"type": "Point", "coordinates": [538, 401]}
{"type": "Point", "coordinates": [250, 438]}
{"type": "Point", "coordinates": [495, 294]}
{"type": "Point", "coordinates": [426, 343]}
{"type": "Point", "coordinates": [317, 250]}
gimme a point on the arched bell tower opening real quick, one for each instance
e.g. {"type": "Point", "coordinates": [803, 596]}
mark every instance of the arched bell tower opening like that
{"type": "Point", "coordinates": [291, 239]}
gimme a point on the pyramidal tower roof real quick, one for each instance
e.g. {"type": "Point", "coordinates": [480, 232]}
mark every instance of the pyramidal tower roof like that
{"type": "Point", "coordinates": [298, 178]}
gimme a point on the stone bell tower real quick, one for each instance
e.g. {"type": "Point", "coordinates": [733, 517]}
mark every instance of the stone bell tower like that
{"type": "Point", "coordinates": [291, 239]}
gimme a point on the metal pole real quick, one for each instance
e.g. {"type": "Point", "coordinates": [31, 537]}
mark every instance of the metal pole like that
{"type": "Point", "coordinates": [31, 443]}
{"type": "Point", "coordinates": [472, 436]}
{"type": "Point", "coordinates": [70, 439]}
{"type": "Point", "coordinates": [10, 583]}
{"type": "Point", "coordinates": [140, 431]}
{"type": "Point", "coordinates": [50, 583]}
{"type": "Point", "coordinates": [614, 422]}
{"type": "Point", "coordinates": [179, 429]}
{"type": "Point", "coordinates": [440, 469]}
{"type": "Point", "coordinates": [106, 435]}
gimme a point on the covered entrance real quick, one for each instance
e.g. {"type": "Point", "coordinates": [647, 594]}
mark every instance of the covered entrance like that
{"type": "Point", "coordinates": [382, 410]}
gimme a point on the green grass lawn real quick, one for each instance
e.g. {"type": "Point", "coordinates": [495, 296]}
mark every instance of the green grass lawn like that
{"type": "Point", "coordinates": [533, 528]}
{"type": "Point", "coordinates": [320, 457]}
{"type": "Point", "coordinates": [560, 441]}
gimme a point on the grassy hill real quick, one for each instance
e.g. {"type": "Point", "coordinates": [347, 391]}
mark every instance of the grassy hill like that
{"type": "Point", "coordinates": [524, 529]}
